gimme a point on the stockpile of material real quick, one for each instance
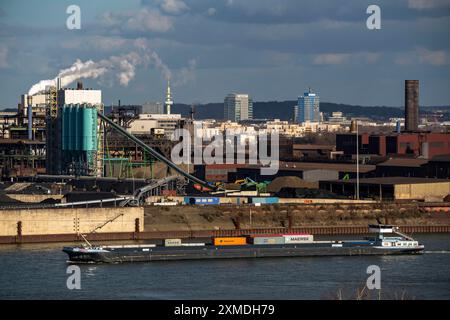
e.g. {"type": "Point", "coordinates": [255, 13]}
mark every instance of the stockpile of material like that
{"type": "Point", "coordinates": [289, 182]}
{"type": "Point", "coordinates": [5, 200]}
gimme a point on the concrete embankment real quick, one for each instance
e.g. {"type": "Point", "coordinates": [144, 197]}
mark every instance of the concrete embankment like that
{"type": "Point", "coordinates": [159, 218]}
{"type": "Point", "coordinates": [153, 222]}
{"type": "Point", "coordinates": [20, 224]}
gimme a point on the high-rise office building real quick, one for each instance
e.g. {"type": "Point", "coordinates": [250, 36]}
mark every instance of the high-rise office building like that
{"type": "Point", "coordinates": [295, 114]}
{"type": "Point", "coordinates": [308, 108]}
{"type": "Point", "coordinates": [238, 106]}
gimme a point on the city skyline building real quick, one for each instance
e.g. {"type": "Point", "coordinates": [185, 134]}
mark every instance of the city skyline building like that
{"type": "Point", "coordinates": [308, 108]}
{"type": "Point", "coordinates": [238, 107]}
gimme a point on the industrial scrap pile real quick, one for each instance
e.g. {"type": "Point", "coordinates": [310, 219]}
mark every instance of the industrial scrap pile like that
{"type": "Point", "coordinates": [290, 182]}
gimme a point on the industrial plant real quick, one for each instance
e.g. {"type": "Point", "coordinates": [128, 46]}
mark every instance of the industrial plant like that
{"type": "Point", "coordinates": [64, 148]}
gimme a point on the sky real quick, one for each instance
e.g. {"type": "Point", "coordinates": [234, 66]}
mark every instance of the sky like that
{"type": "Point", "coordinates": [271, 49]}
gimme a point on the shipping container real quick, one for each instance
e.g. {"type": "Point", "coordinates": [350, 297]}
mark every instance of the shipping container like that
{"type": "Point", "coordinates": [267, 240]}
{"type": "Point", "coordinates": [230, 241]}
{"type": "Point", "coordinates": [298, 238]}
{"type": "Point", "coordinates": [203, 200]}
{"type": "Point", "coordinates": [193, 244]}
{"type": "Point", "coordinates": [165, 203]}
{"type": "Point", "coordinates": [172, 242]}
{"type": "Point", "coordinates": [264, 200]}
{"type": "Point", "coordinates": [245, 193]}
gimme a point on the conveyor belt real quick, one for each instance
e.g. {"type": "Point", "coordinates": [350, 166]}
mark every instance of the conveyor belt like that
{"type": "Point", "coordinates": [154, 153]}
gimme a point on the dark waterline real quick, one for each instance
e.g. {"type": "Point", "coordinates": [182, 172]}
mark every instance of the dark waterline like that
{"type": "Point", "coordinates": [38, 271]}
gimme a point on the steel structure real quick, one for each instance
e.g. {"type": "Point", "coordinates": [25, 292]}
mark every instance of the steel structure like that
{"type": "Point", "coordinates": [141, 193]}
{"type": "Point", "coordinates": [154, 153]}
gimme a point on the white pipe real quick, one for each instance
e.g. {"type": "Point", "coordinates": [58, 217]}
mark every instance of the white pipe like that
{"type": "Point", "coordinates": [357, 161]}
{"type": "Point", "coordinates": [30, 117]}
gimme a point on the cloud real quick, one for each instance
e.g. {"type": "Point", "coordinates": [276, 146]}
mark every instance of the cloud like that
{"type": "Point", "coordinates": [331, 58]}
{"type": "Point", "coordinates": [186, 74]}
{"type": "Point", "coordinates": [427, 4]}
{"type": "Point", "coordinates": [341, 58]}
{"type": "Point", "coordinates": [123, 67]}
{"type": "Point", "coordinates": [120, 68]}
{"type": "Point", "coordinates": [435, 58]}
{"type": "Point", "coordinates": [173, 6]}
{"type": "Point", "coordinates": [145, 19]}
{"type": "Point", "coordinates": [99, 43]}
{"type": "Point", "coordinates": [211, 11]}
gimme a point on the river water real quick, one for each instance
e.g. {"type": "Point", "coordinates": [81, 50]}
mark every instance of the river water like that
{"type": "Point", "coordinates": [38, 271]}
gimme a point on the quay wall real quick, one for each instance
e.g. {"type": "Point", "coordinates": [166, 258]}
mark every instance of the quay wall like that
{"type": "Point", "coordinates": [185, 221]}
{"type": "Point", "coordinates": [220, 217]}
{"type": "Point", "coordinates": [22, 222]}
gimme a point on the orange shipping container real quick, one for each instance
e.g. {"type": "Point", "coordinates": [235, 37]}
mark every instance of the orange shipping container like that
{"type": "Point", "coordinates": [230, 241]}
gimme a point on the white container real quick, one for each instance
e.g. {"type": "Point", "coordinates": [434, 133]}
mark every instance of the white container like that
{"type": "Point", "coordinates": [195, 244]}
{"type": "Point", "coordinates": [268, 240]}
{"type": "Point", "coordinates": [167, 203]}
{"type": "Point", "coordinates": [172, 242]}
{"type": "Point", "coordinates": [298, 238]}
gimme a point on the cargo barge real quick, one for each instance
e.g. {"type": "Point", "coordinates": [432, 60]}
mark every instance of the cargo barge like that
{"type": "Point", "coordinates": [252, 246]}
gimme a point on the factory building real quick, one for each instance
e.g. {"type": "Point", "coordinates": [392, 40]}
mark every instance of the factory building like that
{"type": "Point", "coordinates": [21, 157]}
{"type": "Point", "coordinates": [8, 120]}
{"type": "Point", "coordinates": [31, 118]}
{"type": "Point", "coordinates": [391, 188]}
{"type": "Point", "coordinates": [402, 167]}
{"type": "Point", "coordinates": [438, 167]}
{"type": "Point", "coordinates": [74, 144]}
{"type": "Point", "coordinates": [413, 144]}
{"type": "Point", "coordinates": [308, 171]}
{"type": "Point", "coordinates": [157, 124]}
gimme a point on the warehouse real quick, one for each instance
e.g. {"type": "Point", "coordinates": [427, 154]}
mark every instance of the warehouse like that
{"type": "Point", "coordinates": [308, 171]}
{"type": "Point", "coordinates": [439, 167]}
{"type": "Point", "coordinates": [404, 167]}
{"type": "Point", "coordinates": [391, 188]}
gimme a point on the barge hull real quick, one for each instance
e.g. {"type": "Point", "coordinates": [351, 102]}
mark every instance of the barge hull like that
{"type": "Point", "coordinates": [231, 252]}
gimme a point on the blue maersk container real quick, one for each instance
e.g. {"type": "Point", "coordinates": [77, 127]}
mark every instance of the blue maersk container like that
{"type": "Point", "coordinates": [264, 200]}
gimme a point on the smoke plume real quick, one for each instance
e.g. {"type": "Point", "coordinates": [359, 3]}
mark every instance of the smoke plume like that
{"type": "Point", "coordinates": [123, 67]}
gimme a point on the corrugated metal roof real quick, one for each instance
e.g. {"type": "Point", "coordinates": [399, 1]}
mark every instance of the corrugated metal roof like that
{"type": "Point", "coordinates": [399, 162]}
{"type": "Point", "coordinates": [305, 166]}
{"type": "Point", "coordinates": [392, 180]}
{"type": "Point", "coordinates": [348, 167]}
{"type": "Point", "coordinates": [441, 158]}
{"type": "Point", "coordinates": [297, 146]}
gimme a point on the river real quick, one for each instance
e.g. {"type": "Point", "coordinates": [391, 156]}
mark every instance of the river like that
{"type": "Point", "coordinates": [38, 271]}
